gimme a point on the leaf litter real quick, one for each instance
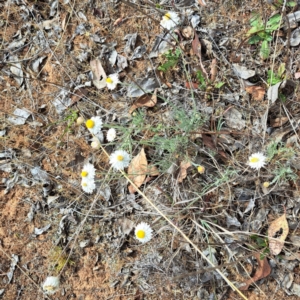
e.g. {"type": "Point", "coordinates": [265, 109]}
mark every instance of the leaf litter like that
{"type": "Point", "coordinates": [208, 108]}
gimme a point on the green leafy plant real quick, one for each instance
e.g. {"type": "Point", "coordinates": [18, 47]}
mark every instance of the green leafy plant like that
{"type": "Point", "coordinates": [274, 77]}
{"type": "Point", "coordinates": [201, 80]}
{"type": "Point", "coordinates": [260, 244]}
{"type": "Point", "coordinates": [172, 59]}
{"type": "Point", "coordinates": [262, 32]}
{"type": "Point", "coordinates": [278, 149]}
{"type": "Point", "coordinates": [218, 85]}
{"type": "Point", "coordinates": [283, 173]}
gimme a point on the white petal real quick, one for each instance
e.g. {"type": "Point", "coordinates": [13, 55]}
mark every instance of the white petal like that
{"type": "Point", "coordinates": [51, 285]}
{"type": "Point", "coordinates": [111, 134]}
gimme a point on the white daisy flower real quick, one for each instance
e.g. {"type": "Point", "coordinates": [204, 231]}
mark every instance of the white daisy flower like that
{"type": "Point", "coordinates": [51, 285]}
{"type": "Point", "coordinates": [170, 20]}
{"type": "Point", "coordinates": [111, 134]}
{"type": "Point", "coordinates": [88, 171]}
{"type": "Point", "coordinates": [88, 185]}
{"type": "Point", "coordinates": [257, 160]}
{"type": "Point", "coordinates": [143, 232]}
{"type": "Point", "coordinates": [112, 81]}
{"type": "Point", "coordinates": [119, 160]}
{"type": "Point", "coordinates": [94, 125]}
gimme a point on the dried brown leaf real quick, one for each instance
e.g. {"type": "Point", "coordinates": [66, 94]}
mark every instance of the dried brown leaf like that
{"type": "Point", "coordinates": [191, 85]}
{"type": "Point", "coordinates": [278, 227]}
{"type": "Point", "coordinates": [213, 70]}
{"type": "Point", "coordinates": [145, 100]}
{"type": "Point", "coordinates": [80, 93]}
{"type": "Point", "coordinates": [257, 92]}
{"type": "Point", "coordinates": [183, 170]}
{"type": "Point", "coordinates": [202, 2]}
{"type": "Point", "coordinates": [118, 21]}
{"type": "Point", "coordinates": [263, 270]}
{"type": "Point", "coordinates": [278, 122]}
{"type": "Point", "coordinates": [152, 170]}
{"type": "Point", "coordinates": [99, 75]}
{"type": "Point", "coordinates": [196, 46]}
{"type": "Point", "coordinates": [188, 32]}
{"type": "Point", "coordinates": [137, 170]}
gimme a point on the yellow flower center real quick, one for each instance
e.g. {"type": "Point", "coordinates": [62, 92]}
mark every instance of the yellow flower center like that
{"type": "Point", "coordinates": [84, 173]}
{"type": "Point", "coordinates": [254, 160]}
{"type": "Point", "coordinates": [120, 157]}
{"type": "Point", "coordinates": [201, 169]}
{"type": "Point", "coordinates": [167, 16]}
{"type": "Point", "coordinates": [109, 80]}
{"type": "Point", "coordinates": [90, 124]}
{"type": "Point", "coordinates": [49, 288]}
{"type": "Point", "coordinates": [84, 184]}
{"type": "Point", "coordinates": [140, 234]}
{"type": "Point", "coordinates": [266, 184]}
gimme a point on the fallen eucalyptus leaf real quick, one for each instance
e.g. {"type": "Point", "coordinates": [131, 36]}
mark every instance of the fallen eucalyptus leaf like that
{"type": "Point", "coordinates": [183, 170]}
{"type": "Point", "coordinates": [35, 65]}
{"type": "Point", "coordinates": [295, 38]}
{"type": "Point", "coordinates": [19, 116]}
{"type": "Point", "coordinates": [263, 270]}
{"type": "Point", "coordinates": [145, 100]}
{"type": "Point", "coordinates": [99, 75]}
{"type": "Point", "coordinates": [121, 62]}
{"type": "Point", "coordinates": [273, 92]}
{"type": "Point", "coordinates": [257, 92]}
{"type": "Point", "coordinates": [146, 85]}
{"type": "Point", "coordinates": [234, 119]}
{"type": "Point", "coordinates": [279, 226]}
{"type": "Point", "coordinates": [14, 261]}
{"type": "Point", "coordinates": [137, 170]}
{"type": "Point", "coordinates": [242, 71]}
{"type": "Point", "coordinates": [126, 225]}
{"type": "Point", "coordinates": [162, 44]}
{"type": "Point", "coordinates": [39, 231]}
{"type": "Point", "coordinates": [130, 44]}
{"type": "Point", "coordinates": [138, 52]}
{"type": "Point", "coordinates": [16, 69]}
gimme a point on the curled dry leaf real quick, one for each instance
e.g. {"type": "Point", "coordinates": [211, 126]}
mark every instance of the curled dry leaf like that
{"type": "Point", "coordinates": [152, 170]}
{"type": "Point", "coordinates": [188, 32]}
{"type": "Point", "coordinates": [263, 270]}
{"type": "Point", "coordinates": [242, 71]}
{"type": "Point", "coordinates": [137, 170]}
{"type": "Point", "coordinates": [99, 75]}
{"type": "Point", "coordinates": [213, 70]}
{"type": "Point", "coordinates": [191, 85]}
{"type": "Point", "coordinates": [118, 21]}
{"type": "Point", "coordinates": [78, 94]}
{"type": "Point", "coordinates": [196, 46]}
{"type": "Point", "coordinates": [145, 100]}
{"type": "Point", "coordinates": [257, 92]}
{"type": "Point", "coordinates": [273, 92]}
{"type": "Point", "coordinates": [278, 227]}
{"type": "Point", "coordinates": [202, 2]}
{"type": "Point", "coordinates": [183, 170]}
{"type": "Point", "coordinates": [278, 122]}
